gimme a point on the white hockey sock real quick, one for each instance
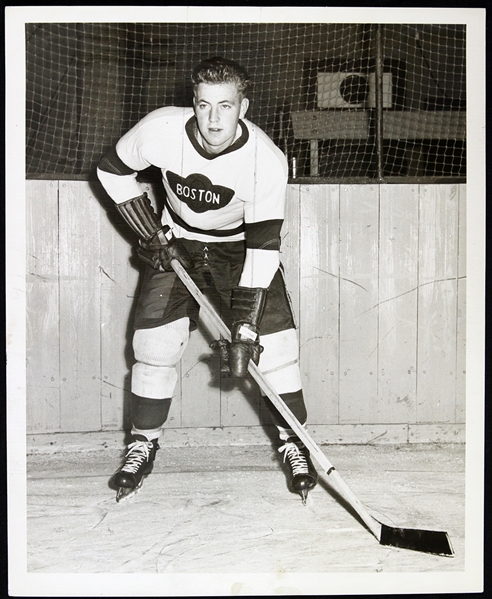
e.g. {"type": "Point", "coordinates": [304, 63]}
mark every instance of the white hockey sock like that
{"type": "Point", "coordinates": [148, 434]}
{"type": "Point", "coordinates": [287, 433]}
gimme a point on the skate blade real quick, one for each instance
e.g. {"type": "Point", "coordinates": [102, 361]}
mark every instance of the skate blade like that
{"type": "Point", "coordinates": [124, 494]}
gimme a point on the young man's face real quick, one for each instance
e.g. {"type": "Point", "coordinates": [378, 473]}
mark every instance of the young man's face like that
{"type": "Point", "coordinates": [218, 108]}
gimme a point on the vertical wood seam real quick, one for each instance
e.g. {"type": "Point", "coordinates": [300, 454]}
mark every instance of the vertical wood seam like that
{"type": "Point", "coordinates": [457, 233]}
{"type": "Point", "coordinates": [58, 267]}
{"type": "Point", "coordinates": [417, 336]}
{"type": "Point", "coordinates": [378, 314]}
{"type": "Point", "coordinates": [101, 304]}
{"type": "Point", "coordinates": [458, 244]}
{"type": "Point", "coordinates": [339, 287]}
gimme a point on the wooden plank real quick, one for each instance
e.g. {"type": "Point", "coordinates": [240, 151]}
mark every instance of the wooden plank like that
{"type": "Point", "coordinates": [361, 434]}
{"type": "Point", "coordinates": [200, 401]}
{"type": "Point", "coordinates": [398, 275]}
{"type": "Point", "coordinates": [117, 300]}
{"type": "Point", "coordinates": [437, 433]}
{"type": "Point", "coordinates": [331, 124]}
{"type": "Point", "coordinates": [290, 246]}
{"type": "Point", "coordinates": [240, 402]}
{"type": "Point", "coordinates": [319, 318]}
{"type": "Point", "coordinates": [460, 411]}
{"type": "Point", "coordinates": [359, 215]}
{"type": "Point", "coordinates": [355, 124]}
{"type": "Point", "coordinates": [438, 247]}
{"type": "Point", "coordinates": [43, 334]}
{"type": "Point", "coordinates": [417, 124]}
{"type": "Point", "coordinates": [325, 434]}
{"type": "Point", "coordinates": [80, 367]}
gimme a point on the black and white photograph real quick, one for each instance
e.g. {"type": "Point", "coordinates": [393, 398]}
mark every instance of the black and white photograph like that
{"type": "Point", "coordinates": [245, 287]}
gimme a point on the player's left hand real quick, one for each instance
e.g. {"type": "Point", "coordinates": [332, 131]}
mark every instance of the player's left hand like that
{"type": "Point", "coordinates": [235, 356]}
{"type": "Point", "coordinates": [247, 305]}
{"type": "Point", "coordinates": [242, 349]}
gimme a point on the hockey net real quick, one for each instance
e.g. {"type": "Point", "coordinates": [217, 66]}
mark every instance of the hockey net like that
{"type": "Point", "coordinates": [343, 101]}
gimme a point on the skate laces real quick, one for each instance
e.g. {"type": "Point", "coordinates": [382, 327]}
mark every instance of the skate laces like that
{"type": "Point", "coordinates": [296, 457]}
{"type": "Point", "coordinates": [138, 453]}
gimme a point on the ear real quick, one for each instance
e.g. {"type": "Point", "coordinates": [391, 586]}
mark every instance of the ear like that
{"type": "Point", "coordinates": [244, 107]}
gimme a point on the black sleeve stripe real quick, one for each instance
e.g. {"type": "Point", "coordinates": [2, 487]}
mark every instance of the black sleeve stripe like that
{"type": "Point", "coordinates": [264, 235]}
{"type": "Point", "coordinates": [112, 163]}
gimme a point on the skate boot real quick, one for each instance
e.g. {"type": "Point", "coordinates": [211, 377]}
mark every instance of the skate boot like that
{"type": "Point", "coordinates": [139, 462]}
{"type": "Point", "coordinates": [303, 473]}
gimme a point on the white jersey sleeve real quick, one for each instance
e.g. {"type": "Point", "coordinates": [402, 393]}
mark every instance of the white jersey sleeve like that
{"type": "Point", "coordinates": [269, 179]}
{"type": "Point", "coordinates": [137, 149]}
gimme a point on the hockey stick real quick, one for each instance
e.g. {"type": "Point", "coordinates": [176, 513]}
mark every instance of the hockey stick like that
{"type": "Point", "coordinates": [427, 541]}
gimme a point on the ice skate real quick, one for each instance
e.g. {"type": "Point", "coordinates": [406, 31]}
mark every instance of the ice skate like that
{"type": "Point", "coordinates": [303, 473]}
{"type": "Point", "coordinates": [139, 462]}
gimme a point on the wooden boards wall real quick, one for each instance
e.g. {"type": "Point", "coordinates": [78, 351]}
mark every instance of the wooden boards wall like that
{"type": "Point", "coordinates": [377, 277]}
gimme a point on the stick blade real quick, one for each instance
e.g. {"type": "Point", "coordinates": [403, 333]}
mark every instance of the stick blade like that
{"type": "Point", "coordinates": [427, 541]}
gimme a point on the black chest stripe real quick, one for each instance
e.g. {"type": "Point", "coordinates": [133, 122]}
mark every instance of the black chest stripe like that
{"type": "Point", "coordinates": [212, 232]}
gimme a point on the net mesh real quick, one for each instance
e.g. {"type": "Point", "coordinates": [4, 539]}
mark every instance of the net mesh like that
{"type": "Point", "coordinates": [341, 100]}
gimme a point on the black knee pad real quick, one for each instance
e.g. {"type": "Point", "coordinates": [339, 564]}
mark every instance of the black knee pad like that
{"type": "Point", "coordinates": [295, 402]}
{"type": "Point", "coordinates": [147, 413]}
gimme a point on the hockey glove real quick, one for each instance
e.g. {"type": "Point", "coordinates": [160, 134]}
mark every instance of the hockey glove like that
{"type": "Point", "coordinates": [160, 249]}
{"type": "Point", "coordinates": [248, 306]}
{"type": "Point", "coordinates": [157, 244]}
{"type": "Point", "coordinates": [223, 346]}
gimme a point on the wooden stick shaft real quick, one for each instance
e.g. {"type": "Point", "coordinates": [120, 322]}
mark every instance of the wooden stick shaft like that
{"type": "Point", "coordinates": [340, 485]}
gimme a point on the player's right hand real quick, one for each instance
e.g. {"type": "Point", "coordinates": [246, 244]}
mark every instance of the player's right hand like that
{"type": "Point", "coordinates": [158, 252]}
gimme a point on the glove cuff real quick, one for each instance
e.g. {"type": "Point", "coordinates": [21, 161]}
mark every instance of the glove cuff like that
{"type": "Point", "coordinates": [248, 305]}
{"type": "Point", "coordinates": [139, 214]}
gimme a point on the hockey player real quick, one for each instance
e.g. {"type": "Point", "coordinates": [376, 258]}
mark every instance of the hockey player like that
{"type": "Point", "coordinates": [225, 184]}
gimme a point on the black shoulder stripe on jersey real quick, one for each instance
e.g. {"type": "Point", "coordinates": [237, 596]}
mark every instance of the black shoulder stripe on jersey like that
{"type": "Point", "coordinates": [112, 163]}
{"type": "Point", "coordinates": [212, 232]}
{"type": "Point", "coordinates": [264, 235]}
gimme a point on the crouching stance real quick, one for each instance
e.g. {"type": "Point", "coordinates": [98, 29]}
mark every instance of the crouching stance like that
{"type": "Point", "coordinates": [225, 197]}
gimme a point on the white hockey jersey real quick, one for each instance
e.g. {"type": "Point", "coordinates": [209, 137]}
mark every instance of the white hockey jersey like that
{"type": "Point", "coordinates": [209, 197]}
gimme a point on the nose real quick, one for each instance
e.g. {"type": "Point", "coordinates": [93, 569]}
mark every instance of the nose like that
{"type": "Point", "coordinates": [213, 115]}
